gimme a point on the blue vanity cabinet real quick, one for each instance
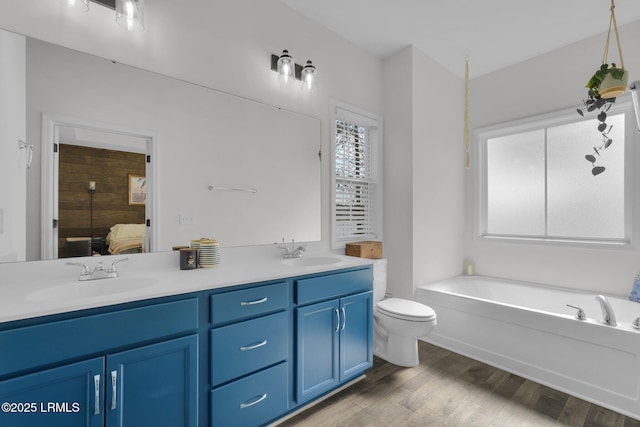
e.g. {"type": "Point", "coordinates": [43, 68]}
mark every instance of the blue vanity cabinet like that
{"type": "Point", "coordinates": [317, 337]}
{"type": "Point", "coordinates": [249, 355]}
{"type": "Point", "coordinates": [154, 385]}
{"type": "Point", "coordinates": [116, 368]}
{"type": "Point", "coordinates": [356, 335]}
{"type": "Point", "coordinates": [67, 396]}
{"type": "Point", "coordinates": [334, 337]}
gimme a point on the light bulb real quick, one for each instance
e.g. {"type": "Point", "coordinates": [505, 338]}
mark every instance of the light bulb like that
{"type": "Point", "coordinates": [79, 5]}
{"type": "Point", "coordinates": [286, 66]}
{"type": "Point", "coordinates": [308, 75]}
{"type": "Point", "coordinates": [130, 14]}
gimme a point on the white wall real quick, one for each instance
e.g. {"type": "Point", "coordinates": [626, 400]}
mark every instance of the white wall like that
{"type": "Point", "coordinates": [548, 83]}
{"type": "Point", "coordinates": [223, 44]}
{"type": "Point", "coordinates": [398, 172]}
{"type": "Point", "coordinates": [13, 188]}
{"type": "Point", "coordinates": [438, 170]}
{"type": "Point", "coordinates": [424, 171]}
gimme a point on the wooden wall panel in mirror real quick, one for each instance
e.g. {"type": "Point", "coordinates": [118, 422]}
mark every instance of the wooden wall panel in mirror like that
{"type": "Point", "coordinates": [86, 210]}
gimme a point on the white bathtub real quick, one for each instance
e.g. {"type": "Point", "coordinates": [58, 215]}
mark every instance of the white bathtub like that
{"type": "Point", "coordinates": [527, 329]}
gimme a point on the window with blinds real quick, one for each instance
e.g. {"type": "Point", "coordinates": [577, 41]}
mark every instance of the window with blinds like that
{"type": "Point", "coordinates": [356, 189]}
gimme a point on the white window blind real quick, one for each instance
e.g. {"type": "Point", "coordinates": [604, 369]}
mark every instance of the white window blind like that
{"type": "Point", "coordinates": [356, 191]}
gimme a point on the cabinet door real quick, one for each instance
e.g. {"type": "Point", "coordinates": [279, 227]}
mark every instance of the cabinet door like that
{"type": "Point", "coordinates": [155, 385]}
{"type": "Point", "coordinates": [317, 347]}
{"type": "Point", "coordinates": [356, 335]}
{"type": "Point", "coordinates": [67, 396]}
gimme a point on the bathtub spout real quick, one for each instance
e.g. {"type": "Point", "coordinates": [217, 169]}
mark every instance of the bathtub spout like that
{"type": "Point", "coordinates": [608, 316]}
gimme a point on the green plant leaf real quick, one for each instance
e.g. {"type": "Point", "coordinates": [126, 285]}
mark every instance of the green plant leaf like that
{"type": "Point", "coordinates": [597, 170]}
{"type": "Point", "coordinates": [602, 127]}
{"type": "Point", "coordinates": [617, 73]}
{"type": "Point", "coordinates": [590, 158]}
{"type": "Point", "coordinates": [608, 142]}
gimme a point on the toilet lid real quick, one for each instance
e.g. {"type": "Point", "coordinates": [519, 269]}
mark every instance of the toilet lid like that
{"type": "Point", "coordinates": [406, 309]}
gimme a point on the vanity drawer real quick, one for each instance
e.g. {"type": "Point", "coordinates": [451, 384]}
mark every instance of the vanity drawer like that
{"type": "Point", "coordinates": [333, 285]}
{"type": "Point", "coordinates": [58, 341]}
{"type": "Point", "coordinates": [244, 303]}
{"type": "Point", "coordinates": [252, 401]}
{"type": "Point", "coordinates": [248, 346]}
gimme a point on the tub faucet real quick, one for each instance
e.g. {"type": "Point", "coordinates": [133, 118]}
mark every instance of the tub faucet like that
{"type": "Point", "coordinates": [608, 316]}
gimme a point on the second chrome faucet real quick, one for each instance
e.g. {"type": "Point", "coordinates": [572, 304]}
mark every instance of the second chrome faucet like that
{"type": "Point", "coordinates": [292, 252]}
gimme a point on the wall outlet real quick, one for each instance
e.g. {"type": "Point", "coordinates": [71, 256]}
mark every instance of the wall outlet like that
{"type": "Point", "coordinates": [187, 218]}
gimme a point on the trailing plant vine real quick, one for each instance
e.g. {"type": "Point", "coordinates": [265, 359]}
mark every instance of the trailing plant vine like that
{"type": "Point", "coordinates": [595, 102]}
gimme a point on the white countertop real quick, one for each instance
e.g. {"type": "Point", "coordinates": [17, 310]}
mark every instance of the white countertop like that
{"type": "Point", "coordinates": [49, 287]}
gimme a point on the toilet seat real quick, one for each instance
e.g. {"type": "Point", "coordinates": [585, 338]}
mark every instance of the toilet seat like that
{"type": "Point", "coordinates": [406, 310]}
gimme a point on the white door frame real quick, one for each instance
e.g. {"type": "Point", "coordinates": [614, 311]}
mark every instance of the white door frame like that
{"type": "Point", "coordinates": [49, 180]}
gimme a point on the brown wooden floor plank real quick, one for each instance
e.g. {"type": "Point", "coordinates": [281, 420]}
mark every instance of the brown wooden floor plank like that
{"type": "Point", "coordinates": [450, 390]}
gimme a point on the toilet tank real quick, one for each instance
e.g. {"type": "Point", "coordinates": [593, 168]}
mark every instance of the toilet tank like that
{"type": "Point", "coordinates": [379, 279]}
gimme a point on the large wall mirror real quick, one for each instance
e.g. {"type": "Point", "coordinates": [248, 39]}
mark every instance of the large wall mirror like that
{"type": "Point", "coordinates": [223, 167]}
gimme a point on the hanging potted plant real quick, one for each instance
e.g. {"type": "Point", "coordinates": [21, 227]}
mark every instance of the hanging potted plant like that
{"type": "Point", "coordinates": [604, 86]}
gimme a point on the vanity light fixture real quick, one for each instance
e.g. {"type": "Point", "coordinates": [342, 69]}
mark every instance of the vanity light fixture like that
{"type": "Point", "coordinates": [308, 74]}
{"type": "Point", "coordinates": [79, 5]}
{"type": "Point", "coordinates": [289, 70]}
{"type": "Point", "coordinates": [286, 66]}
{"type": "Point", "coordinates": [130, 14]}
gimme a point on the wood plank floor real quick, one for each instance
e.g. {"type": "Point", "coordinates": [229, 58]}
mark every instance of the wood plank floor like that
{"type": "Point", "coordinates": [450, 390]}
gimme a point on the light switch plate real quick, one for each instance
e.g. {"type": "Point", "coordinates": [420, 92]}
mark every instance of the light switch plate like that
{"type": "Point", "coordinates": [187, 218]}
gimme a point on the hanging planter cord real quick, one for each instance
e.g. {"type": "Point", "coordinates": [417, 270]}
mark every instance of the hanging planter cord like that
{"type": "Point", "coordinates": [467, 163]}
{"type": "Point", "coordinates": [612, 23]}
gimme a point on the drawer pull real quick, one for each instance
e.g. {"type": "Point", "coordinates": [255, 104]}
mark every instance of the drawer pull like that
{"type": "Point", "coordinates": [96, 393]}
{"type": "Point", "coordinates": [258, 400]}
{"type": "Point", "coordinates": [258, 301]}
{"type": "Point", "coordinates": [251, 347]}
{"type": "Point", "coordinates": [114, 388]}
{"type": "Point", "coordinates": [344, 319]}
{"type": "Point", "coordinates": [337, 320]}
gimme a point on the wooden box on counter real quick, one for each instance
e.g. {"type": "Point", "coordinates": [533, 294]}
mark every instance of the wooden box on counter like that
{"type": "Point", "coordinates": [368, 249]}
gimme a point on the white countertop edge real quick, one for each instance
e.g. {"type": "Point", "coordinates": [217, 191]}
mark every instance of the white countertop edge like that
{"type": "Point", "coordinates": [19, 282]}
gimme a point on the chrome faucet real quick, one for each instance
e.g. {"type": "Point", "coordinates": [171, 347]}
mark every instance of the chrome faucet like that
{"type": "Point", "coordinates": [99, 271]}
{"type": "Point", "coordinates": [608, 316]}
{"type": "Point", "coordinates": [292, 253]}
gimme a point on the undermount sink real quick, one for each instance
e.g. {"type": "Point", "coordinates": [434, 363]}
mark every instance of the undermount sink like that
{"type": "Point", "coordinates": [311, 261]}
{"type": "Point", "coordinates": [91, 289]}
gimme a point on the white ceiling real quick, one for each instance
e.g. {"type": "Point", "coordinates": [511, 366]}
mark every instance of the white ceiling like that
{"type": "Point", "coordinates": [492, 33]}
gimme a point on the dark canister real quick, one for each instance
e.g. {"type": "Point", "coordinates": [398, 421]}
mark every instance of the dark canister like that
{"type": "Point", "coordinates": [188, 259]}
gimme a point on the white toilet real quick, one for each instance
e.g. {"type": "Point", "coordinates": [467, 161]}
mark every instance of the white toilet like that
{"type": "Point", "coordinates": [397, 322]}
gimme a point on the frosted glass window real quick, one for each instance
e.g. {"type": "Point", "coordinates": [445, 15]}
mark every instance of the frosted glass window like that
{"type": "Point", "coordinates": [537, 183]}
{"type": "Point", "coordinates": [579, 204]}
{"type": "Point", "coordinates": [516, 184]}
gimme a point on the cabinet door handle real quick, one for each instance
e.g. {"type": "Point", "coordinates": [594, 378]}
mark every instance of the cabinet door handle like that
{"type": "Point", "coordinates": [251, 347]}
{"type": "Point", "coordinates": [258, 301]}
{"type": "Point", "coordinates": [344, 319]}
{"type": "Point", "coordinates": [96, 393]}
{"type": "Point", "coordinates": [114, 388]}
{"type": "Point", "coordinates": [258, 400]}
{"type": "Point", "coordinates": [337, 320]}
